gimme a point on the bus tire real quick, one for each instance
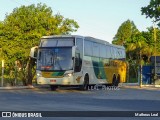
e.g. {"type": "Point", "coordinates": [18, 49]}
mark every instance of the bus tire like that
{"type": "Point", "coordinates": [53, 87]}
{"type": "Point", "coordinates": [118, 80]}
{"type": "Point", "coordinates": [114, 80]}
{"type": "Point", "coordinates": [85, 83]}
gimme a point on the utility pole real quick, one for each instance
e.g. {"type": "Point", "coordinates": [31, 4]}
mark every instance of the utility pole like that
{"type": "Point", "coordinates": [141, 74]}
{"type": "Point", "coordinates": [155, 61]}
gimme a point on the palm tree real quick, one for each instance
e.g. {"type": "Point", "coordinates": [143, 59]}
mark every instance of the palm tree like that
{"type": "Point", "coordinates": [135, 53]}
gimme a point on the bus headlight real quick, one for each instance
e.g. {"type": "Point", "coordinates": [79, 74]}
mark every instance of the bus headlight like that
{"type": "Point", "coordinates": [39, 74]}
{"type": "Point", "coordinates": [68, 74]}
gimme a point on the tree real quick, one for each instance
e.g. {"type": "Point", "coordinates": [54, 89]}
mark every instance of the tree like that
{"type": "Point", "coordinates": [22, 30]}
{"type": "Point", "coordinates": [134, 52]}
{"type": "Point", "coordinates": [139, 45]}
{"type": "Point", "coordinates": [149, 38]}
{"type": "Point", "coordinates": [152, 10]}
{"type": "Point", "coordinates": [125, 33]}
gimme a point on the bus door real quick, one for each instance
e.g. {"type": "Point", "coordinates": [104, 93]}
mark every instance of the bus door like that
{"type": "Point", "coordinates": [78, 61]}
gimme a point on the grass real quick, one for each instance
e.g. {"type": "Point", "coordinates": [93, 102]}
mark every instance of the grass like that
{"type": "Point", "coordinates": [132, 80]}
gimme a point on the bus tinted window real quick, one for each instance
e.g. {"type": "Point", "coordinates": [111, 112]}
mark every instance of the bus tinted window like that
{"type": "Point", "coordinates": [57, 42]}
{"type": "Point", "coordinates": [108, 51]}
{"type": "Point", "coordinates": [88, 48]}
{"type": "Point", "coordinates": [95, 48]}
{"type": "Point", "coordinates": [103, 51]}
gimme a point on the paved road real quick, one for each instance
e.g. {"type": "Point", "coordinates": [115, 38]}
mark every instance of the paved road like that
{"type": "Point", "coordinates": [42, 99]}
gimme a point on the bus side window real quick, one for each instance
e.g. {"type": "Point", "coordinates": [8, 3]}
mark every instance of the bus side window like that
{"type": "Point", "coordinates": [77, 63]}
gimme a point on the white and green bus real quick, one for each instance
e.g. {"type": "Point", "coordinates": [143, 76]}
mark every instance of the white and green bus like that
{"type": "Point", "coordinates": [71, 60]}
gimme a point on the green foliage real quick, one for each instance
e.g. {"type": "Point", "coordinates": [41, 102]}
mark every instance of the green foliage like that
{"type": "Point", "coordinates": [152, 10]}
{"type": "Point", "coordinates": [139, 45]}
{"type": "Point", "coordinates": [158, 41]}
{"type": "Point", "coordinates": [125, 33]}
{"type": "Point", "coordinates": [22, 30]}
{"type": "Point", "coordinates": [148, 35]}
{"type": "Point", "coordinates": [150, 40]}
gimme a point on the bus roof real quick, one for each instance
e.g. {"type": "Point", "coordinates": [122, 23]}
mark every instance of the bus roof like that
{"type": "Point", "coordinates": [53, 36]}
{"type": "Point", "coordinates": [87, 37]}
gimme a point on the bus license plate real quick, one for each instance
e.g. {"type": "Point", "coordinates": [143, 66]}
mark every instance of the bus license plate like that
{"type": "Point", "coordinates": [52, 80]}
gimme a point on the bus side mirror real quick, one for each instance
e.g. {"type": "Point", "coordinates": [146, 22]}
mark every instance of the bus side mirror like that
{"type": "Point", "coordinates": [74, 51]}
{"type": "Point", "coordinates": [33, 52]}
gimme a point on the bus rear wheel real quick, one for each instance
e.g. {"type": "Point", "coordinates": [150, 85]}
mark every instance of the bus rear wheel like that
{"type": "Point", "coordinates": [115, 80]}
{"type": "Point", "coordinates": [53, 87]}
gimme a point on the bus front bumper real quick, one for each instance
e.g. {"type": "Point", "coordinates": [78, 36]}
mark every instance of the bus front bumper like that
{"type": "Point", "coordinates": [55, 81]}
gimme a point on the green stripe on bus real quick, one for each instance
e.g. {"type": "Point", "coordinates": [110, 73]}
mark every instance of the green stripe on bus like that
{"type": "Point", "coordinates": [98, 67]}
{"type": "Point", "coordinates": [52, 74]}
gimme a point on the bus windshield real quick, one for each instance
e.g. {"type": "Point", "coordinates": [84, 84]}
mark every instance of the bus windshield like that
{"type": "Point", "coordinates": [55, 59]}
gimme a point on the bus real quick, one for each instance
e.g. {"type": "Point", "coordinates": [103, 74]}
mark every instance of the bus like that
{"type": "Point", "coordinates": [72, 60]}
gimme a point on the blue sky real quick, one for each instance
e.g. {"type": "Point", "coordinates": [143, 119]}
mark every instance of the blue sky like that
{"type": "Point", "coordinates": [96, 18]}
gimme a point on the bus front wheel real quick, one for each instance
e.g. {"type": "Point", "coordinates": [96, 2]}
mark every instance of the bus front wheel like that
{"type": "Point", "coordinates": [85, 83]}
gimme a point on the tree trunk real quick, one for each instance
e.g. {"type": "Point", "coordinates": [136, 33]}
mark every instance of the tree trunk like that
{"type": "Point", "coordinates": [30, 66]}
